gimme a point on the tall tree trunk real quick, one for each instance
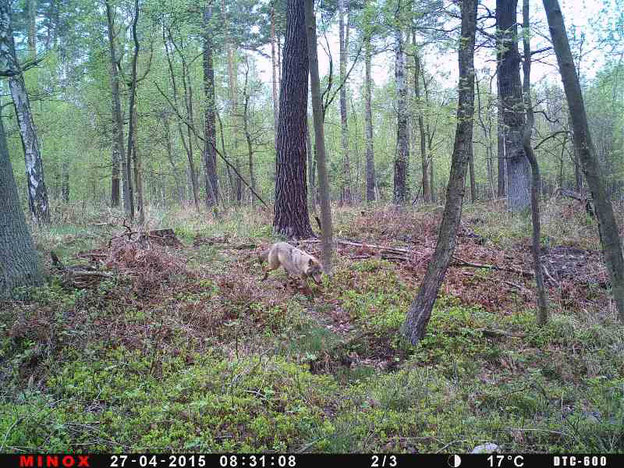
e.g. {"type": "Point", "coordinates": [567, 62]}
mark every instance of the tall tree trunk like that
{"type": "Point", "coordinates": [131, 113]}
{"type": "Point", "coordinates": [291, 207]}
{"type": "Point", "coordinates": [609, 236]}
{"type": "Point", "coordinates": [246, 117]}
{"type": "Point", "coordinates": [473, 185]}
{"type": "Point", "coordinates": [138, 173]}
{"type": "Point", "coordinates": [312, 195]}
{"type": "Point", "coordinates": [421, 122]}
{"type": "Point", "coordinates": [65, 179]}
{"type": "Point", "coordinates": [118, 144]}
{"type": "Point", "coordinates": [32, 27]}
{"type": "Point", "coordinates": [402, 148]}
{"type": "Point", "coordinates": [319, 139]}
{"type": "Point", "coordinates": [18, 257]}
{"type": "Point", "coordinates": [37, 193]}
{"type": "Point", "coordinates": [343, 33]}
{"type": "Point", "coordinates": [419, 312]}
{"type": "Point", "coordinates": [511, 97]}
{"type": "Point", "coordinates": [542, 312]}
{"type": "Point", "coordinates": [368, 117]}
{"type": "Point", "coordinates": [210, 130]}
{"type": "Point", "coordinates": [500, 138]}
{"type": "Point", "coordinates": [274, 73]}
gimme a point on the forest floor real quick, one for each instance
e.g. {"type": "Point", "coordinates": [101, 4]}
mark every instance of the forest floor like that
{"type": "Point", "coordinates": [184, 348]}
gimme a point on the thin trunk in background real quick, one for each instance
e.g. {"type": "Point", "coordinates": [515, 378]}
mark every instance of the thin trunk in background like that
{"type": "Point", "coordinates": [402, 145]}
{"type": "Point", "coordinates": [210, 128]}
{"type": "Point", "coordinates": [319, 139]}
{"type": "Point", "coordinates": [138, 174]}
{"type": "Point", "coordinates": [542, 312]}
{"type": "Point", "coordinates": [419, 311]}
{"type": "Point", "coordinates": [131, 113]}
{"type": "Point", "coordinates": [246, 117]}
{"type": "Point", "coordinates": [117, 117]}
{"type": "Point", "coordinates": [31, 6]}
{"type": "Point", "coordinates": [9, 66]}
{"type": "Point", "coordinates": [500, 138]}
{"type": "Point", "coordinates": [274, 72]}
{"type": "Point", "coordinates": [607, 225]}
{"type": "Point", "coordinates": [343, 34]}
{"type": "Point", "coordinates": [421, 123]}
{"type": "Point", "coordinates": [473, 187]}
{"type": "Point", "coordinates": [368, 117]}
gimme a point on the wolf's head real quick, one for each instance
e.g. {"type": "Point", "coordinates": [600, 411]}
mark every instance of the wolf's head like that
{"type": "Point", "coordinates": [313, 270]}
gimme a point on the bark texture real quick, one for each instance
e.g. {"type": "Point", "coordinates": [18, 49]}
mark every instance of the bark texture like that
{"type": "Point", "coordinates": [510, 90]}
{"type": "Point", "coordinates": [609, 236]}
{"type": "Point", "coordinates": [291, 208]}
{"type": "Point", "coordinates": [419, 311]}
{"type": "Point", "coordinates": [37, 192]}
{"type": "Point", "coordinates": [18, 258]}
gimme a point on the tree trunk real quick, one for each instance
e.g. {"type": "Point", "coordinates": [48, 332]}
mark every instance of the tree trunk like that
{"type": "Point", "coordinates": [18, 257]}
{"type": "Point", "coordinates": [319, 139]}
{"type": "Point", "coordinates": [65, 179]}
{"type": "Point", "coordinates": [291, 207]}
{"type": "Point", "coordinates": [118, 144]}
{"type": "Point", "coordinates": [32, 27]}
{"type": "Point", "coordinates": [500, 136]}
{"type": "Point", "coordinates": [402, 148]}
{"type": "Point", "coordinates": [210, 130]}
{"type": "Point", "coordinates": [473, 185]}
{"type": "Point", "coordinates": [368, 117]}
{"type": "Point", "coordinates": [274, 73]}
{"type": "Point", "coordinates": [138, 173]}
{"type": "Point", "coordinates": [609, 236]}
{"type": "Point", "coordinates": [542, 306]}
{"type": "Point", "coordinates": [343, 33]}
{"type": "Point", "coordinates": [250, 165]}
{"type": "Point", "coordinates": [419, 312]}
{"type": "Point", "coordinates": [131, 113]}
{"type": "Point", "coordinates": [511, 97]}
{"type": "Point", "coordinates": [421, 123]}
{"type": "Point", "coordinates": [9, 66]}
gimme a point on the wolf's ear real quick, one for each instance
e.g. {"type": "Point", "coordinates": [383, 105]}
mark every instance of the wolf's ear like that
{"type": "Point", "coordinates": [310, 262]}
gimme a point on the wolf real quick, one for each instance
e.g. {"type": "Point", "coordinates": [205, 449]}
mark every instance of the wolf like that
{"type": "Point", "coordinates": [295, 261]}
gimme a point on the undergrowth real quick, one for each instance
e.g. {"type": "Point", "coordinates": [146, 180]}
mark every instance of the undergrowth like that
{"type": "Point", "coordinates": [201, 355]}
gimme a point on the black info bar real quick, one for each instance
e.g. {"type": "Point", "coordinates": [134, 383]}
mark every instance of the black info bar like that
{"type": "Point", "coordinates": [289, 460]}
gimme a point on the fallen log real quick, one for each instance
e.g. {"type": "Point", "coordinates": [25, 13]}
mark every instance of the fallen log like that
{"type": "Point", "coordinates": [78, 276]}
{"type": "Point", "coordinates": [462, 263]}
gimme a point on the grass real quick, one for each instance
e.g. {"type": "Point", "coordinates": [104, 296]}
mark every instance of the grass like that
{"type": "Point", "coordinates": [208, 357]}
